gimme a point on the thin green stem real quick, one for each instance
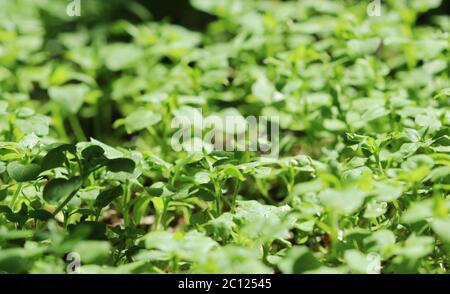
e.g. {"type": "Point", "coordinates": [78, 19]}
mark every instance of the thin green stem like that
{"type": "Point", "coordinates": [164, 213]}
{"type": "Point", "coordinates": [58, 122]}
{"type": "Point", "coordinates": [64, 203]}
{"type": "Point", "coordinates": [380, 166]}
{"type": "Point", "coordinates": [97, 214]}
{"type": "Point", "coordinates": [218, 195]}
{"type": "Point", "coordinates": [10, 133]}
{"type": "Point", "coordinates": [77, 129]}
{"type": "Point", "coordinates": [66, 218]}
{"type": "Point", "coordinates": [266, 252]}
{"type": "Point", "coordinates": [16, 195]}
{"type": "Point", "coordinates": [237, 186]}
{"type": "Point", "coordinates": [174, 264]}
{"type": "Point", "coordinates": [334, 225]}
{"type": "Point", "coordinates": [125, 204]}
{"type": "Point", "coordinates": [157, 222]}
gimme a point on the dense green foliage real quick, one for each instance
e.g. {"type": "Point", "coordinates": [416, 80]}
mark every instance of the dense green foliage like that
{"type": "Point", "coordinates": [86, 166]}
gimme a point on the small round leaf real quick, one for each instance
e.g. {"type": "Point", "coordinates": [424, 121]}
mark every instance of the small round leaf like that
{"type": "Point", "coordinates": [121, 165]}
{"type": "Point", "coordinates": [23, 172]}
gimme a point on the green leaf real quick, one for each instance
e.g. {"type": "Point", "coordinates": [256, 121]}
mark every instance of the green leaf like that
{"type": "Point", "coordinates": [70, 98]}
{"type": "Point", "coordinates": [3, 194]}
{"type": "Point", "coordinates": [140, 208]}
{"type": "Point", "coordinates": [121, 165]}
{"type": "Point", "coordinates": [386, 191]}
{"type": "Point", "coordinates": [361, 263]}
{"type": "Point", "coordinates": [232, 259]}
{"type": "Point", "coordinates": [202, 177]}
{"type": "Point", "coordinates": [88, 230]}
{"type": "Point", "coordinates": [382, 241]}
{"type": "Point", "coordinates": [345, 201]}
{"type": "Point", "coordinates": [93, 157]}
{"type": "Point", "coordinates": [416, 247]}
{"type": "Point", "coordinates": [110, 152]}
{"type": "Point", "coordinates": [53, 159]}
{"type": "Point", "coordinates": [23, 172]}
{"type": "Point", "coordinates": [156, 189]}
{"type": "Point", "coordinates": [107, 196]}
{"type": "Point", "coordinates": [120, 55]}
{"type": "Point", "coordinates": [298, 260]}
{"type": "Point", "coordinates": [441, 226]}
{"type": "Point", "coordinates": [205, 195]}
{"type": "Point", "coordinates": [2, 167]}
{"type": "Point", "coordinates": [424, 5]}
{"type": "Point", "coordinates": [363, 47]}
{"type": "Point", "coordinates": [140, 120]}
{"type": "Point", "coordinates": [19, 217]}
{"type": "Point", "coordinates": [38, 124]}
{"type": "Point", "coordinates": [418, 211]}
{"type": "Point", "coordinates": [190, 246]}
{"type": "Point", "coordinates": [41, 214]}
{"type": "Point", "coordinates": [92, 251]}
{"type": "Point", "coordinates": [263, 223]}
{"type": "Point", "coordinates": [375, 209]}
{"type": "Point", "coordinates": [92, 152]}
{"type": "Point", "coordinates": [58, 189]}
{"type": "Point", "coordinates": [263, 90]}
{"type": "Point", "coordinates": [222, 226]}
{"type": "Point", "coordinates": [18, 260]}
{"type": "Point", "coordinates": [233, 172]}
